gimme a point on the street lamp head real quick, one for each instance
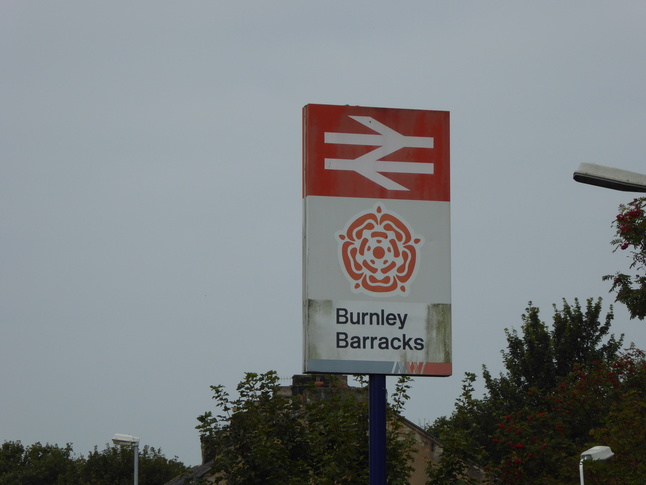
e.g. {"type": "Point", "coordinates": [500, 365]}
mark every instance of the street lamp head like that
{"type": "Point", "coordinates": [125, 439]}
{"type": "Point", "coordinates": [610, 178]}
{"type": "Point", "coordinates": [597, 453]}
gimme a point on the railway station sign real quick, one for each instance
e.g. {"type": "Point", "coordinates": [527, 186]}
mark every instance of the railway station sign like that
{"type": "Point", "coordinates": [376, 242]}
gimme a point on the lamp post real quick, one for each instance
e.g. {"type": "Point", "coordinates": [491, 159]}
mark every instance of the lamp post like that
{"type": "Point", "coordinates": [596, 453]}
{"type": "Point", "coordinates": [129, 440]}
{"type": "Point", "coordinates": [610, 178]}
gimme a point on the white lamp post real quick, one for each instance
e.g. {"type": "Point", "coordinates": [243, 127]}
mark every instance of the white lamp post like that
{"type": "Point", "coordinates": [596, 453]}
{"type": "Point", "coordinates": [129, 440]}
{"type": "Point", "coordinates": [610, 178]}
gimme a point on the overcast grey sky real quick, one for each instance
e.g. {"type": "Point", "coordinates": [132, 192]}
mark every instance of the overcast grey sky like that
{"type": "Point", "coordinates": [150, 187]}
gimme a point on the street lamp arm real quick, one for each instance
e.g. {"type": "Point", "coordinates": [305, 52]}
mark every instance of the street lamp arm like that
{"type": "Point", "coordinates": [610, 178]}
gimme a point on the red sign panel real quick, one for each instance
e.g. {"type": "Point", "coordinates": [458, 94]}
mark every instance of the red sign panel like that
{"type": "Point", "coordinates": [379, 153]}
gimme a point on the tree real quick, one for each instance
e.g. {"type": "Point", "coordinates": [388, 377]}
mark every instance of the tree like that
{"type": "Point", "coordinates": [114, 466]}
{"type": "Point", "coordinates": [541, 357]}
{"type": "Point", "coordinates": [319, 437]}
{"type": "Point", "coordinates": [536, 361]}
{"type": "Point", "coordinates": [53, 465]}
{"type": "Point", "coordinates": [630, 225]}
{"type": "Point", "coordinates": [459, 437]}
{"type": "Point", "coordinates": [11, 456]}
{"type": "Point", "coordinates": [37, 464]}
{"type": "Point", "coordinates": [599, 403]}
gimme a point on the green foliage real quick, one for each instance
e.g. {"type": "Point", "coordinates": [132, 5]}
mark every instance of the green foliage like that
{"type": "Point", "coordinates": [540, 357]}
{"type": "Point", "coordinates": [599, 403]}
{"type": "Point", "coordinates": [114, 466]}
{"type": "Point", "coordinates": [624, 426]}
{"type": "Point", "coordinates": [537, 359]}
{"type": "Point", "coordinates": [630, 225]}
{"type": "Point", "coordinates": [471, 418]}
{"type": "Point", "coordinates": [37, 464]}
{"type": "Point", "coordinates": [319, 437]}
{"type": "Point", "coordinates": [52, 465]}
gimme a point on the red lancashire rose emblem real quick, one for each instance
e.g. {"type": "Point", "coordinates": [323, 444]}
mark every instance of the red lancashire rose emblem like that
{"type": "Point", "coordinates": [378, 253]}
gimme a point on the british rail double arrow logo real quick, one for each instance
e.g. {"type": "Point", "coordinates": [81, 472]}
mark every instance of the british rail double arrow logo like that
{"type": "Point", "coordinates": [370, 164]}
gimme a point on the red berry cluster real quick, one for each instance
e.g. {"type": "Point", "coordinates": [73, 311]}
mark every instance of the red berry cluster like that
{"type": "Point", "coordinates": [629, 223]}
{"type": "Point", "coordinates": [626, 220]}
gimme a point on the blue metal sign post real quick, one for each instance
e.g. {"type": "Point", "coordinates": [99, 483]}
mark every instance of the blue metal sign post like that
{"type": "Point", "coordinates": [377, 429]}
